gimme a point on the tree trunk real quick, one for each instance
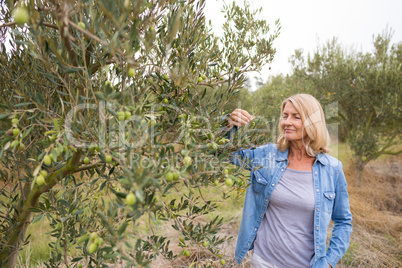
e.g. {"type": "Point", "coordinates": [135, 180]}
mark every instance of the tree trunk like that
{"type": "Point", "coordinates": [18, 238]}
{"type": "Point", "coordinates": [21, 219]}
{"type": "Point", "coordinates": [9, 253]}
{"type": "Point", "coordinates": [358, 171]}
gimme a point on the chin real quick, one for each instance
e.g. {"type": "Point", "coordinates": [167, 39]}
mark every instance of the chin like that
{"type": "Point", "coordinates": [291, 139]}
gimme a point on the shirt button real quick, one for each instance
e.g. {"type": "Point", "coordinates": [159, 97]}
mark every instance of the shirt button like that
{"type": "Point", "coordinates": [318, 209]}
{"type": "Point", "coordinates": [259, 179]}
{"type": "Point", "coordinates": [282, 169]}
{"type": "Point", "coordinates": [316, 172]}
{"type": "Point", "coordinates": [317, 247]}
{"type": "Point", "coordinates": [260, 214]}
{"type": "Point", "coordinates": [318, 190]}
{"type": "Point", "coordinates": [316, 228]}
{"type": "Point", "coordinates": [266, 199]}
{"type": "Point", "coordinates": [273, 184]}
{"type": "Point", "coordinates": [248, 244]}
{"type": "Point", "coordinates": [255, 229]}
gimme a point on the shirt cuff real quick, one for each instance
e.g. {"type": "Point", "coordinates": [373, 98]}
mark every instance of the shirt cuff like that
{"type": "Point", "coordinates": [332, 261]}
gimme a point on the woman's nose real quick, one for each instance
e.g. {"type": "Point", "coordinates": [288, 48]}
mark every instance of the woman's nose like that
{"type": "Point", "coordinates": [286, 121]}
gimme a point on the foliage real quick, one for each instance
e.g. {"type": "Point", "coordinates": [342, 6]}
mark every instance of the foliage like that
{"type": "Point", "coordinates": [108, 98]}
{"type": "Point", "coordinates": [364, 88]}
{"type": "Point", "coordinates": [367, 89]}
{"type": "Point", "coordinates": [268, 100]}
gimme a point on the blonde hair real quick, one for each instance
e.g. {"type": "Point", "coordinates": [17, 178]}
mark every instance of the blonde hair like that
{"type": "Point", "coordinates": [314, 125]}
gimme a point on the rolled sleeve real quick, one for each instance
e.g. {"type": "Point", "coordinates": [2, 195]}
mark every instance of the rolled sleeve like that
{"type": "Point", "coordinates": [242, 158]}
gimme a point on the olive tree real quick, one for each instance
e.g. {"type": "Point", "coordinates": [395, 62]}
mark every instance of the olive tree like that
{"type": "Point", "coordinates": [367, 90]}
{"type": "Point", "coordinates": [104, 126]}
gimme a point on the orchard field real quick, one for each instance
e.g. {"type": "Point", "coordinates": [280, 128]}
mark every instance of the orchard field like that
{"type": "Point", "coordinates": [375, 240]}
{"type": "Point", "coordinates": [113, 149]}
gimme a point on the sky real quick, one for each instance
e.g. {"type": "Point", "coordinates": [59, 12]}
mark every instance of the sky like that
{"type": "Point", "coordinates": [309, 23]}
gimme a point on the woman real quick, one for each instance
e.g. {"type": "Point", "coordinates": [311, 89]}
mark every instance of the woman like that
{"type": "Point", "coordinates": [296, 189]}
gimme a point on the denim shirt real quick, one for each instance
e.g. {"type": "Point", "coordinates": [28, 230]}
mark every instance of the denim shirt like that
{"type": "Point", "coordinates": [266, 164]}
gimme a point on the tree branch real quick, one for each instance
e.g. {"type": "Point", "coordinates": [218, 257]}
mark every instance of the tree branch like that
{"type": "Point", "coordinates": [7, 24]}
{"type": "Point", "coordinates": [43, 23]}
{"type": "Point", "coordinates": [383, 151]}
{"type": "Point", "coordinates": [96, 66]}
{"type": "Point", "coordinates": [88, 33]}
{"type": "Point", "coordinates": [392, 153]}
{"type": "Point", "coordinates": [64, 32]}
{"type": "Point", "coordinates": [50, 25]}
{"type": "Point", "coordinates": [88, 167]}
{"type": "Point", "coordinates": [23, 211]}
{"type": "Point", "coordinates": [369, 120]}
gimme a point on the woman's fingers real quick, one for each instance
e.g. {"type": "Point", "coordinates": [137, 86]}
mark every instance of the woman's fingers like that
{"type": "Point", "coordinates": [246, 114]}
{"type": "Point", "coordinates": [234, 123]}
{"type": "Point", "coordinates": [240, 117]}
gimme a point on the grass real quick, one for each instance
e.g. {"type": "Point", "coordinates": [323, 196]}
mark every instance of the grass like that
{"type": "Point", "coordinates": [341, 151]}
{"type": "Point", "coordinates": [39, 250]}
{"type": "Point", "coordinates": [376, 213]}
{"type": "Point", "coordinates": [375, 241]}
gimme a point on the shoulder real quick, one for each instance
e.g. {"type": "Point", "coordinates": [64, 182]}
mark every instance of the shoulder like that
{"type": "Point", "coordinates": [269, 147]}
{"type": "Point", "coordinates": [333, 166]}
{"type": "Point", "coordinates": [333, 169]}
{"type": "Point", "coordinates": [329, 161]}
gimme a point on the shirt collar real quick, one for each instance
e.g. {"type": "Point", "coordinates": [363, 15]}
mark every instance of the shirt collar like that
{"type": "Point", "coordinates": [282, 156]}
{"type": "Point", "coordinates": [322, 158]}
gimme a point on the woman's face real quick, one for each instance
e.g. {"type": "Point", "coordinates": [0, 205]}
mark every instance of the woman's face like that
{"type": "Point", "coordinates": [292, 124]}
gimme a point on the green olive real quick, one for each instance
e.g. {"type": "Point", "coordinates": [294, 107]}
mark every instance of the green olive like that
{"type": "Point", "coordinates": [16, 131]}
{"type": "Point", "coordinates": [92, 248]}
{"type": "Point", "coordinates": [130, 199]}
{"type": "Point", "coordinates": [130, 72]}
{"type": "Point", "coordinates": [81, 25]}
{"type": "Point", "coordinates": [40, 180]}
{"type": "Point", "coordinates": [47, 160]}
{"type": "Point", "coordinates": [229, 182]}
{"type": "Point", "coordinates": [21, 15]}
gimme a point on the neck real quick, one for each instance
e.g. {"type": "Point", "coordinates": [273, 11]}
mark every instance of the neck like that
{"type": "Point", "coordinates": [297, 150]}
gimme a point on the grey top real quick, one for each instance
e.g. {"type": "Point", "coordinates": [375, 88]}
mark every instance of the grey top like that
{"type": "Point", "coordinates": [286, 235]}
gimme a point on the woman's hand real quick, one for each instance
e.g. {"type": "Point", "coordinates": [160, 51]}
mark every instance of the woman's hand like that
{"type": "Point", "coordinates": [329, 265]}
{"type": "Point", "coordinates": [239, 118]}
